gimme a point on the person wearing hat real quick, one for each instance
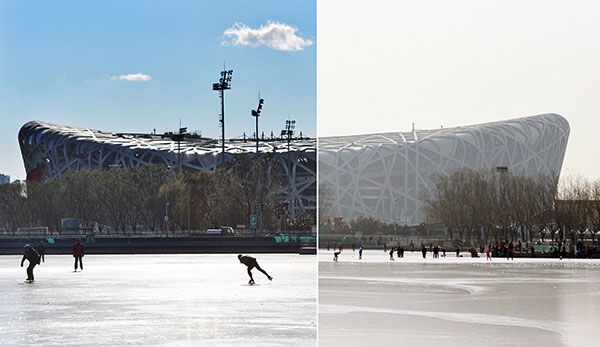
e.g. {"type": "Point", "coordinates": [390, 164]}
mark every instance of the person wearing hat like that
{"type": "Point", "coordinates": [34, 259]}
{"type": "Point", "coordinates": [252, 263]}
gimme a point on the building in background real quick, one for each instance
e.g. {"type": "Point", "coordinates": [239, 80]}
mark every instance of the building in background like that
{"type": "Point", "coordinates": [388, 176]}
{"type": "Point", "coordinates": [4, 179]}
{"type": "Point", "coordinates": [50, 149]}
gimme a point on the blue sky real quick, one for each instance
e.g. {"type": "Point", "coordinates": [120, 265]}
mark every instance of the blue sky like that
{"type": "Point", "coordinates": [60, 62]}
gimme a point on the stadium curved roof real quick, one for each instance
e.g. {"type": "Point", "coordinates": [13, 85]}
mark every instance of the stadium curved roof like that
{"type": "Point", "coordinates": [388, 175]}
{"type": "Point", "coordinates": [50, 149]}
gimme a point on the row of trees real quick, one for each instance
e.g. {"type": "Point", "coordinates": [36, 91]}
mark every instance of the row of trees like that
{"type": "Point", "coordinates": [496, 205]}
{"type": "Point", "coordinates": [134, 199]}
{"type": "Point", "coordinates": [499, 205]}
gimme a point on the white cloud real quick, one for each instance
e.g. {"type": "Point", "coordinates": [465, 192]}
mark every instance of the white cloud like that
{"type": "Point", "coordinates": [279, 36]}
{"type": "Point", "coordinates": [135, 77]}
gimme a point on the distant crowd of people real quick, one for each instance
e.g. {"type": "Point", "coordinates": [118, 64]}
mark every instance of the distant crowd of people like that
{"type": "Point", "coordinates": [493, 250]}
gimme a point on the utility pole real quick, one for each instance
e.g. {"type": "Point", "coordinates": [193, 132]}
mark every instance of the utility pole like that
{"type": "Point", "coordinates": [223, 85]}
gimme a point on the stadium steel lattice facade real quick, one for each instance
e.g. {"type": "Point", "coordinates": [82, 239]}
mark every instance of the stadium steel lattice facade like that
{"type": "Point", "coordinates": [388, 176]}
{"type": "Point", "coordinates": [50, 149]}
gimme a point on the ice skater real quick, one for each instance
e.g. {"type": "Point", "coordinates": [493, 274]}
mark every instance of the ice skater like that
{"type": "Point", "coordinates": [34, 259]}
{"type": "Point", "coordinates": [488, 254]}
{"type": "Point", "coordinates": [78, 254]}
{"type": "Point", "coordinates": [41, 249]}
{"type": "Point", "coordinates": [251, 263]}
{"type": "Point", "coordinates": [392, 253]}
{"type": "Point", "coordinates": [360, 250]}
{"type": "Point", "coordinates": [335, 255]}
{"type": "Point", "coordinates": [423, 251]}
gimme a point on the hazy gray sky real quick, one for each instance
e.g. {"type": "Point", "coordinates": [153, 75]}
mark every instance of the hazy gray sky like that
{"type": "Point", "coordinates": [385, 64]}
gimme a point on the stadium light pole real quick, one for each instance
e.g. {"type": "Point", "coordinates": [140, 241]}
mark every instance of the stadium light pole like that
{"type": "Point", "coordinates": [223, 85]}
{"type": "Point", "coordinates": [290, 124]}
{"type": "Point", "coordinates": [256, 114]}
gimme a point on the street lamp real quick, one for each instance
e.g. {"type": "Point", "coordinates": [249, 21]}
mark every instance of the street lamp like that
{"type": "Point", "coordinates": [223, 84]}
{"type": "Point", "coordinates": [167, 197]}
{"type": "Point", "coordinates": [502, 170]}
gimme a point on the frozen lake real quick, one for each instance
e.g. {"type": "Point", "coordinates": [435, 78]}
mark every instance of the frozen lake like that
{"type": "Point", "coordinates": [159, 300]}
{"type": "Point", "coordinates": [457, 301]}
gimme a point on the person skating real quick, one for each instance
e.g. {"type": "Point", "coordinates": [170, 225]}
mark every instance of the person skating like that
{"type": "Point", "coordinates": [251, 263]}
{"type": "Point", "coordinates": [34, 259]}
{"type": "Point", "coordinates": [488, 254]}
{"type": "Point", "coordinates": [392, 253]}
{"type": "Point", "coordinates": [335, 255]}
{"type": "Point", "coordinates": [424, 251]}
{"type": "Point", "coordinates": [78, 254]}
{"type": "Point", "coordinates": [41, 249]}
{"type": "Point", "coordinates": [360, 250]}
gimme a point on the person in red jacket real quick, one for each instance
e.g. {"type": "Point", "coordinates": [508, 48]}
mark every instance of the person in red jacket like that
{"type": "Point", "coordinates": [252, 263]}
{"type": "Point", "coordinates": [78, 254]}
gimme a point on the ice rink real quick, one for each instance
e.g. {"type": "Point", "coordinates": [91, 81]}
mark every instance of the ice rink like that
{"type": "Point", "coordinates": [457, 301]}
{"type": "Point", "coordinates": [200, 300]}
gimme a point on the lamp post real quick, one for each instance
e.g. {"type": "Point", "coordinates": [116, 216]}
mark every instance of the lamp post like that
{"type": "Point", "coordinates": [502, 170]}
{"type": "Point", "coordinates": [223, 85]}
{"type": "Point", "coordinates": [256, 114]}
{"type": "Point", "coordinates": [290, 124]}
{"type": "Point", "coordinates": [167, 197]}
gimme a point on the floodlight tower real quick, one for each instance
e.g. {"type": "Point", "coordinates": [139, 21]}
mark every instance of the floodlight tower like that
{"type": "Point", "coordinates": [224, 84]}
{"type": "Point", "coordinates": [256, 113]}
{"type": "Point", "coordinates": [290, 124]}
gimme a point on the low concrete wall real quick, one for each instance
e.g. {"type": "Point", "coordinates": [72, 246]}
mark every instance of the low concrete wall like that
{"type": "Point", "coordinates": [160, 246]}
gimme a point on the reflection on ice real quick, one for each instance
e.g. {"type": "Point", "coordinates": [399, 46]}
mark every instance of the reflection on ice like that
{"type": "Point", "coordinates": [456, 301]}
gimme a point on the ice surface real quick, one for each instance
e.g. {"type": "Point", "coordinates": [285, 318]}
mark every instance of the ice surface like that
{"type": "Point", "coordinates": [200, 300]}
{"type": "Point", "coordinates": [457, 301]}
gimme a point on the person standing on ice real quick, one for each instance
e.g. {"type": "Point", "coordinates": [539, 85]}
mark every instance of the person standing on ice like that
{"type": "Point", "coordinates": [392, 253]}
{"type": "Point", "coordinates": [78, 254]}
{"type": "Point", "coordinates": [251, 263]}
{"type": "Point", "coordinates": [360, 250]}
{"type": "Point", "coordinates": [34, 259]}
{"type": "Point", "coordinates": [41, 249]}
{"type": "Point", "coordinates": [424, 251]}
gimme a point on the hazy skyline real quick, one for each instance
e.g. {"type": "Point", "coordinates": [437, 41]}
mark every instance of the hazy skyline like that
{"type": "Point", "coordinates": [383, 65]}
{"type": "Point", "coordinates": [136, 66]}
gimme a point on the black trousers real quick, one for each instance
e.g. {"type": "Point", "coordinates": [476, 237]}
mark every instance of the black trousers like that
{"type": "Point", "coordinates": [30, 271]}
{"type": "Point", "coordinates": [255, 265]}
{"type": "Point", "coordinates": [80, 262]}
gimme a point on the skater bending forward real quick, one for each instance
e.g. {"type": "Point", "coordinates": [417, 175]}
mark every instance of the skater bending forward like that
{"type": "Point", "coordinates": [34, 259]}
{"type": "Point", "coordinates": [252, 263]}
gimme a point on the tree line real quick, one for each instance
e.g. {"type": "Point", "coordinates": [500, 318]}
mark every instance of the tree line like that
{"type": "Point", "coordinates": [493, 206]}
{"type": "Point", "coordinates": [137, 199]}
{"type": "Point", "coordinates": [503, 206]}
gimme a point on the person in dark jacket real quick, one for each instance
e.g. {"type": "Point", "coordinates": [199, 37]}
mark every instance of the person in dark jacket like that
{"type": "Point", "coordinates": [78, 254]}
{"type": "Point", "coordinates": [252, 263]}
{"type": "Point", "coordinates": [41, 249]}
{"type": "Point", "coordinates": [34, 259]}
